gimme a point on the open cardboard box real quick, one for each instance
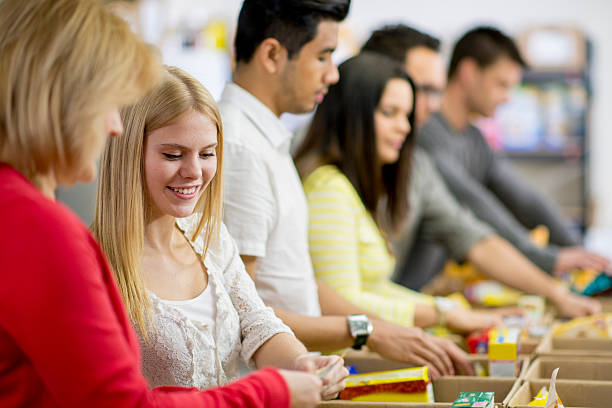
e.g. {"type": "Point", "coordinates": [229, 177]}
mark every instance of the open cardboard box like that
{"type": "Point", "coordinates": [557, 346]}
{"type": "Point", "coordinates": [573, 393]}
{"type": "Point", "coordinates": [570, 368]}
{"type": "Point", "coordinates": [446, 390]}
{"type": "Point", "coordinates": [529, 345]}
{"type": "Point", "coordinates": [367, 362]}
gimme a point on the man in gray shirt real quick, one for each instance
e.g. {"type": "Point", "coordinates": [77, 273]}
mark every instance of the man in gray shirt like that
{"type": "Point", "coordinates": [484, 67]}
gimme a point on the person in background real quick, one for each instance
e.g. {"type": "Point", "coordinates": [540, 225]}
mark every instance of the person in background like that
{"type": "Point", "coordinates": [357, 163]}
{"type": "Point", "coordinates": [426, 246]}
{"type": "Point", "coordinates": [283, 64]}
{"type": "Point", "coordinates": [180, 275]}
{"type": "Point", "coordinates": [65, 339]}
{"type": "Point", "coordinates": [485, 65]}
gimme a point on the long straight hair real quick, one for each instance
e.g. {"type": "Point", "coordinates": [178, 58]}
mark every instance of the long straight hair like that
{"type": "Point", "coordinates": [343, 133]}
{"type": "Point", "coordinates": [122, 199]}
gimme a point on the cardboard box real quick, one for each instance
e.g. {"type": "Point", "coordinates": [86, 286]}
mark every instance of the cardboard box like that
{"type": "Point", "coordinates": [528, 346]}
{"type": "Point", "coordinates": [573, 393]}
{"type": "Point", "coordinates": [446, 390]}
{"type": "Point", "coordinates": [570, 368]}
{"type": "Point", "coordinates": [367, 361]}
{"type": "Point", "coordinates": [554, 346]}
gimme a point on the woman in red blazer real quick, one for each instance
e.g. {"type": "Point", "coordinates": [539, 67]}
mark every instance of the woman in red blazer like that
{"type": "Point", "coordinates": [65, 339]}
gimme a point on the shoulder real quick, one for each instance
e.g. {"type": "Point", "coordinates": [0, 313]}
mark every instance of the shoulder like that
{"type": "Point", "coordinates": [328, 183]}
{"type": "Point", "coordinates": [328, 177]}
{"type": "Point", "coordinates": [476, 138]}
{"type": "Point", "coordinates": [434, 126]}
{"type": "Point", "coordinates": [420, 157]}
{"type": "Point", "coordinates": [26, 211]}
{"type": "Point", "coordinates": [40, 236]}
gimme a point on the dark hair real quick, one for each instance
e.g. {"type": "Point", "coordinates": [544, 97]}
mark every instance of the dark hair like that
{"type": "Point", "coordinates": [485, 45]}
{"type": "Point", "coordinates": [396, 40]}
{"type": "Point", "coordinates": [343, 133]}
{"type": "Point", "coordinates": [292, 22]}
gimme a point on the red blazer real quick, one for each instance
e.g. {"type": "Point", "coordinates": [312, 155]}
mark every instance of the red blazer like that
{"type": "Point", "coordinates": [65, 338]}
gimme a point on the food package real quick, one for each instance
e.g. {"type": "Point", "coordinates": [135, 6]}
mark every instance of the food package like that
{"type": "Point", "coordinates": [475, 400]}
{"type": "Point", "coordinates": [548, 399]}
{"type": "Point", "coordinates": [405, 385]}
{"type": "Point", "coordinates": [598, 326]}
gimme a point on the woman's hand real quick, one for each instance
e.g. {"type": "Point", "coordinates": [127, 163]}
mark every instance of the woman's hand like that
{"type": "Point", "coordinates": [459, 357]}
{"type": "Point", "coordinates": [305, 388]}
{"type": "Point", "coordinates": [410, 345]}
{"type": "Point", "coordinates": [333, 380]}
{"type": "Point", "coordinates": [571, 305]}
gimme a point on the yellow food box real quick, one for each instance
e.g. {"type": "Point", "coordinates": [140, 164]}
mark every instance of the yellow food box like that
{"type": "Point", "coordinates": [405, 385]}
{"type": "Point", "coordinates": [503, 344]}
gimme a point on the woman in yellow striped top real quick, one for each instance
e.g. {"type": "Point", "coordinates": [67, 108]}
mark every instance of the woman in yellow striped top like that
{"type": "Point", "coordinates": [356, 160]}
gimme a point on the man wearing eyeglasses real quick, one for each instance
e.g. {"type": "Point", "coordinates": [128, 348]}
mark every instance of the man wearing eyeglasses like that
{"type": "Point", "coordinates": [420, 55]}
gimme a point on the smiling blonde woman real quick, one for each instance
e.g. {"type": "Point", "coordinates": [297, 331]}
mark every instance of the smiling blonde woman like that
{"type": "Point", "coordinates": [158, 217]}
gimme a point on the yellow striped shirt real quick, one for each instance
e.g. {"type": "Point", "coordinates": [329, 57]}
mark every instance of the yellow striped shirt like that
{"type": "Point", "coordinates": [348, 251]}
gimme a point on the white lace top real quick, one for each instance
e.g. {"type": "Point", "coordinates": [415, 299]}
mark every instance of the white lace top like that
{"type": "Point", "coordinates": [188, 353]}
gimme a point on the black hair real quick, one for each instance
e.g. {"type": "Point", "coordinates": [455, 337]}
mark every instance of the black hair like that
{"type": "Point", "coordinates": [485, 45]}
{"type": "Point", "coordinates": [343, 133]}
{"type": "Point", "coordinates": [396, 40]}
{"type": "Point", "coordinates": [292, 22]}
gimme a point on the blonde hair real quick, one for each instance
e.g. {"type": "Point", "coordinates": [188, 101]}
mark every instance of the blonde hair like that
{"type": "Point", "coordinates": [122, 199]}
{"type": "Point", "coordinates": [64, 64]}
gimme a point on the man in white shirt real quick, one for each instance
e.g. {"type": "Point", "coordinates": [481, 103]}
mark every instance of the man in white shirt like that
{"type": "Point", "coordinates": [283, 64]}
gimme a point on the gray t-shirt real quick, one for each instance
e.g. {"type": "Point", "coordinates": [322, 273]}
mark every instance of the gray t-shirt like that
{"type": "Point", "coordinates": [486, 184]}
{"type": "Point", "coordinates": [434, 217]}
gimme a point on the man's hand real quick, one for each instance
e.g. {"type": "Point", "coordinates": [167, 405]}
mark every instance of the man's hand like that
{"type": "Point", "coordinates": [578, 257]}
{"type": "Point", "coordinates": [411, 345]}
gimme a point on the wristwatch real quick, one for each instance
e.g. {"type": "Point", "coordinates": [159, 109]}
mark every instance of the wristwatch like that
{"type": "Point", "coordinates": [360, 327]}
{"type": "Point", "coordinates": [443, 306]}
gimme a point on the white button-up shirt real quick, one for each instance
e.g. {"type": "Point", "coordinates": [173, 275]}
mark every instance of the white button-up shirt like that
{"type": "Point", "coordinates": [265, 207]}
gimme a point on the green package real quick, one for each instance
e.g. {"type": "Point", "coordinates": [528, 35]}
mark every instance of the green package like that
{"type": "Point", "coordinates": [475, 400]}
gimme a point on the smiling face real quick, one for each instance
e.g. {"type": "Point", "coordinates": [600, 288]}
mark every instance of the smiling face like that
{"type": "Point", "coordinates": [307, 76]}
{"type": "Point", "coordinates": [391, 122]}
{"type": "Point", "coordinates": [180, 160]}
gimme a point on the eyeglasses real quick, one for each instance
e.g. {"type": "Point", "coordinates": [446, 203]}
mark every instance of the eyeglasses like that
{"type": "Point", "coordinates": [429, 90]}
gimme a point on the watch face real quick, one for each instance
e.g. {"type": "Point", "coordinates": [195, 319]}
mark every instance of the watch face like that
{"type": "Point", "coordinates": [359, 325]}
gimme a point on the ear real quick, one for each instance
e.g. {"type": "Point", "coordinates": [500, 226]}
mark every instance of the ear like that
{"type": "Point", "coordinates": [271, 55]}
{"type": "Point", "coordinates": [468, 70]}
